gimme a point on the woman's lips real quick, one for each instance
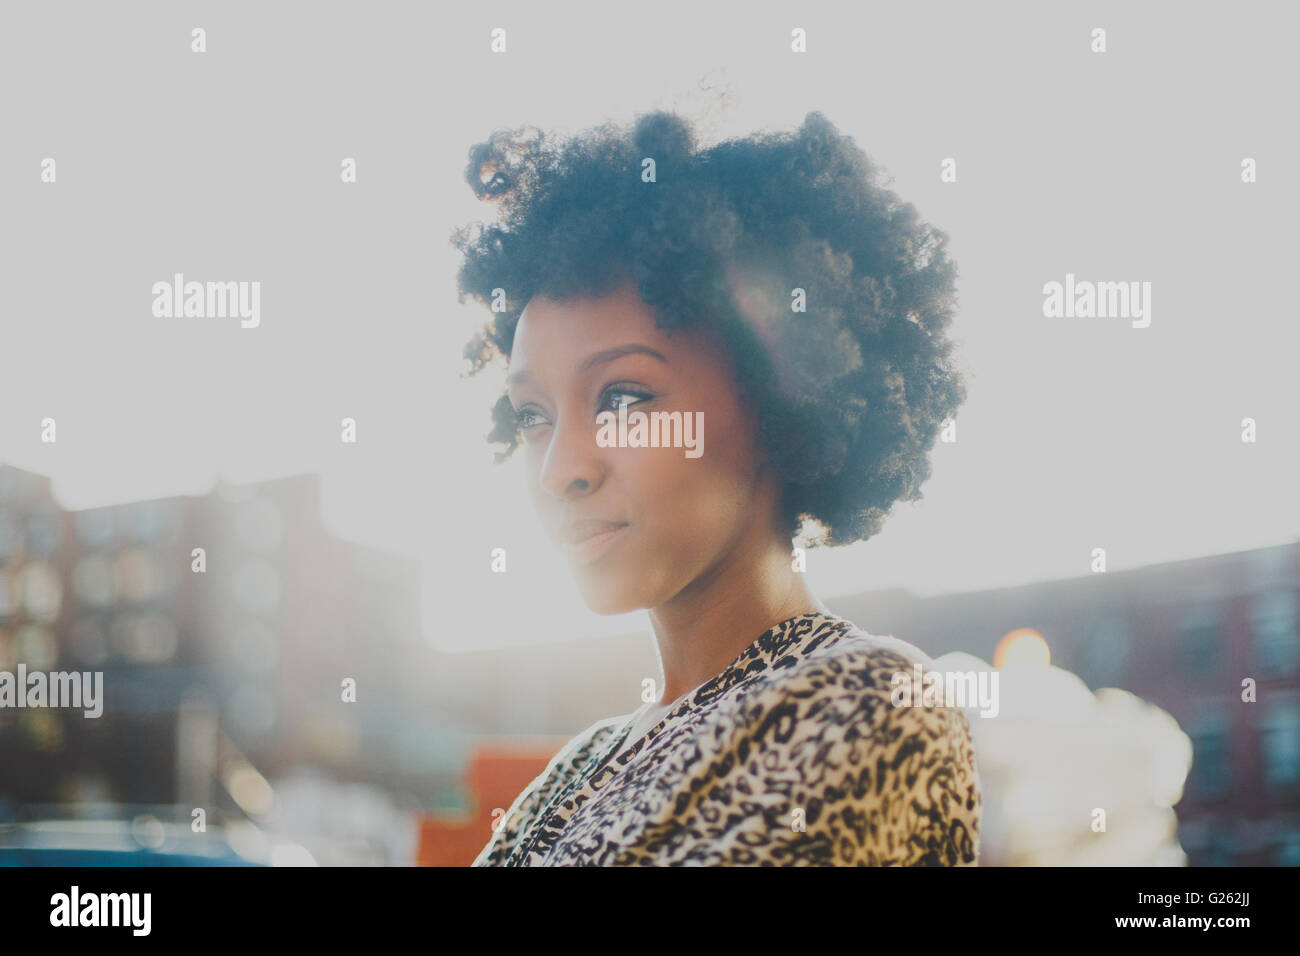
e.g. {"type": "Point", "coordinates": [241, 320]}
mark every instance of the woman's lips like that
{"type": "Point", "coordinates": [589, 549]}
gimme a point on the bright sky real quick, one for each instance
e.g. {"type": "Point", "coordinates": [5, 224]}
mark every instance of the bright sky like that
{"type": "Point", "coordinates": [1077, 434]}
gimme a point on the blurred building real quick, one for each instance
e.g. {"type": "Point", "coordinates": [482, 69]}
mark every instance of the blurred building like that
{"type": "Point", "coordinates": [255, 647]}
{"type": "Point", "coordinates": [1187, 636]}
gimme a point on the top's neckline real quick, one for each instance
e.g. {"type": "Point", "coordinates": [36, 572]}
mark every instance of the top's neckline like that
{"type": "Point", "coordinates": [717, 684]}
{"type": "Point", "coordinates": [595, 772]}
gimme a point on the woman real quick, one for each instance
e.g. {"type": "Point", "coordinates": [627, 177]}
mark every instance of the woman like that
{"type": "Point", "coordinates": [780, 319]}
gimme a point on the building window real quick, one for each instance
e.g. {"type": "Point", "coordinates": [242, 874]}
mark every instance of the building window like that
{"type": "Point", "coordinates": [41, 588]}
{"type": "Point", "coordinates": [1273, 628]}
{"type": "Point", "coordinates": [149, 521]}
{"type": "Point", "coordinates": [96, 527]}
{"type": "Point", "coordinates": [44, 532]}
{"type": "Point", "coordinates": [257, 585]}
{"type": "Point", "coordinates": [1106, 655]}
{"type": "Point", "coordinates": [9, 534]}
{"type": "Point", "coordinates": [36, 647]}
{"type": "Point", "coordinates": [1222, 847]}
{"type": "Point", "coordinates": [89, 640]}
{"type": "Point", "coordinates": [93, 580]}
{"type": "Point", "coordinates": [1268, 568]}
{"type": "Point", "coordinates": [1279, 744]}
{"type": "Point", "coordinates": [1211, 760]}
{"type": "Point", "coordinates": [1200, 641]}
{"type": "Point", "coordinates": [147, 638]}
{"type": "Point", "coordinates": [259, 525]}
{"type": "Point", "coordinates": [1287, 851]}
{"type": "Point", "coordinates": [8, 605]}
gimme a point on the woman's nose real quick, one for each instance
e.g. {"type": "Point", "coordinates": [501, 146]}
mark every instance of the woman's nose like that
{"type": "Point", "coordinates": [572, 464]}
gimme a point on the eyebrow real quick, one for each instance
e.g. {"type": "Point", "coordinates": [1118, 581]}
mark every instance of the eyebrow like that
{"type": "Point", "coordinates": [596, 358]}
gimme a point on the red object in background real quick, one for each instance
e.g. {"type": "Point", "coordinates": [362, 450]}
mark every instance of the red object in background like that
{"type": "Point", "coordinates": [498, 772]}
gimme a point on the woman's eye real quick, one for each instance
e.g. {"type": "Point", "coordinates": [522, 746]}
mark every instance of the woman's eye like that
{"type": "Point", "coordinates": [527, 418]}
{"type": "Point", "coordinates": [611, 399]}
{"type": "Point", "coordinates": [622, 396]}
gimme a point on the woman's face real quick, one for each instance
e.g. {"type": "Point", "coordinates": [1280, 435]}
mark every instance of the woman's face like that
{"type": "Point", "coordinates": [654, 520]}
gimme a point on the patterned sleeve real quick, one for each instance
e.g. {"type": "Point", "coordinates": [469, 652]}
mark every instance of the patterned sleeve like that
{"type": "Point", "coordinates": [820, 768]}
{"type": "Point", "coordinates": [503, 838]}
{"type": "Point", "coordinates": [534, 796]}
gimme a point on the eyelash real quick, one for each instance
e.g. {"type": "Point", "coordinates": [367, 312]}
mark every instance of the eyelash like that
{"type": "Point", "coordinates": [615, 389]}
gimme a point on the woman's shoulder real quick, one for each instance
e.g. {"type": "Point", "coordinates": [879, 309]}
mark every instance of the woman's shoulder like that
{"type": "Point", "coordinates": [854, 675]}
{"type": "Point", "coordinates": [849, 687]}
{"type": "Point", "coordinates": [825, 726]}
{"type": "Point", "coordinates": [805, 728]}
{"type": "Point", "coordinates": [838, 656]}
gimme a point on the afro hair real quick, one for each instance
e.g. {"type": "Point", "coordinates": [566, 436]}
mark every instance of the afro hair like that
{"type": "Point", "coordinates": [852, 389]}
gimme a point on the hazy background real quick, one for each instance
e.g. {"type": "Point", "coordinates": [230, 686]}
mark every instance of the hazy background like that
{"type": "Point", "coordinates": [371, 561]}
{"type": "Point", "coordinates": [1078, 433]}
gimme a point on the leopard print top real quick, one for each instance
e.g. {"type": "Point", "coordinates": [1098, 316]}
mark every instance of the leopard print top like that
{"type": "Point", "coordinates": [793, 756]}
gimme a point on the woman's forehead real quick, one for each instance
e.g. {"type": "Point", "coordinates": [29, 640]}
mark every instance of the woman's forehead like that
{"type": "Point", "coordinates": [554, 330]}
{"type": "Point", "coordinates": [567, 334]}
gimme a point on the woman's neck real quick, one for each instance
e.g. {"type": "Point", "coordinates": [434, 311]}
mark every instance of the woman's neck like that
{"type": "Point", "coordinates": [706, 626]}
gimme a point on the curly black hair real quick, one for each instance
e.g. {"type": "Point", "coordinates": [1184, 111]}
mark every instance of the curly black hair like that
{"type": "Point", "coordinates": [851, 391]}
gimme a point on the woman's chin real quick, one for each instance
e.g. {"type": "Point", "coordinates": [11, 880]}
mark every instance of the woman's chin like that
{"type": "Point", "coordinates": [604, 604]}
{"type": "Point", "coordinates": [608, 597]}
